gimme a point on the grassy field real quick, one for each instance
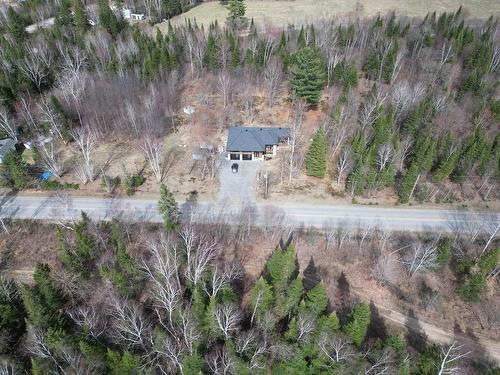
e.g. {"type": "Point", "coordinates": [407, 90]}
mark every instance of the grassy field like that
{"type": "Point", "coordinates": [281, 13]}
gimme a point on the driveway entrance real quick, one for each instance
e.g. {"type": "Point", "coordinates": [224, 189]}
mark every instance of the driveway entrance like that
{"type": "Point", "coordinates": [238, 188]}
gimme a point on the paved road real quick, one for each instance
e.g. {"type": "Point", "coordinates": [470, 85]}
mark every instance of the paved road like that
{"type": "Point", "coordinates": [292, 214]}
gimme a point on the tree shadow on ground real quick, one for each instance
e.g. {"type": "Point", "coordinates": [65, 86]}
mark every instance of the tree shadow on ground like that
{"type": "Point", "coordinates": [377, 327]}
{"type": "Point", "coordinates": [478, 357]}
{"type": "Point", "coordinates": [311, 276]}
{"type": "Point", "coordinates": [415, 336]}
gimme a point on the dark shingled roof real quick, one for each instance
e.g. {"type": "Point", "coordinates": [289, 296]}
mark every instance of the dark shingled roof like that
{"type": "Point", "coordinates": [254, 139]}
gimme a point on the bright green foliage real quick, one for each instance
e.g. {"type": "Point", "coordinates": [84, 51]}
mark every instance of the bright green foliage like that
{"type": "Point", "coordinates": [475, 282]}
{"type": "Point", "coordinates": [212, 53]}
{"type": "Point", "coordinates": [307, 74]}
{"type": "Point", "coordinates": [80, 18]}
{"type": "Point", "coordinates": [16, 25]}
{"type": "Point", "coordinates": [357, 326]}
{"type": "Point", "coordinates": [15, 173]}
{"type": "Point", "coordinates": [43, 302]}
{"type": "Point", "coordinates": [428, 361]}
{"type": "Point", "coordinates": [192, 364]}
{"type": "Point", "coordinates": [316, 299]}
{"type": "Point", "coordinates": [237, 9]}
{"type": "Point", "coordinates": [443, 252]}
{"type": "Point", "coordinates": [398, 343]}
{"type": "Point", "coordinates": [124, 363]}
{"type": "Point", "coordinates": [125, 273]}
{"type": "Point", "coordinates": [262, 297]}
{"type": "Point", "coordinates": [291, 300]}
{"type": "Point", "coordinates": [198, 303]}
{"type": "Point", "coordinates": [107, 19]}
{"type": "Point", "coordinates": [421, 162]}
{"type": "Point", "coordinates": [316, 155]}
{"type": "Point", "coordinates": [280, 267]}
{"type": "Point", "coordinates": [475, 151]}
{"type": "Point", "coordinates": [296, 366]}
{"type": "Point", "coordinates": [79, 257]}
{"type": "Point", "coordinates": [168, 208]}
{"type": "Point", "coordinates": [329, 322]}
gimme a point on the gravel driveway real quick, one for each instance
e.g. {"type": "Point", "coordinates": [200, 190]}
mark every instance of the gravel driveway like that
{"type": "Point", "coordinates": [238, 188]}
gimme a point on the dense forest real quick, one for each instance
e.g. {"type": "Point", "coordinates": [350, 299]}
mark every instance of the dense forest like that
{"type": "Point", "coordinates": [166, 301]}
{"type": "Point", "coordinates": [410, 105]}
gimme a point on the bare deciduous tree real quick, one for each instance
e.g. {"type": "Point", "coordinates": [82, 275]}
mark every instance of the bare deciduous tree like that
{"type": "Point", "coordinates": [153, 153]}
{"type": "Point", "coordinates": [384, 156]}
{"type": "Point", "coordinates": [7, 125]}
{"type": "Point", "coordinates": [224, 83]}
{"type": "Point", "coordinates": [450, 356]}
{"type": "Point", "coordinates": [272, 76]}
{"type": "Point", "coordinates": [343, 163]}
{"type": "Point", "coordinates": [89, 319]}
{"type": "Point", "coordinates": [200, 250]}
{"type": "Point", "coordinates": [419, 258]}
{"type": "Point", "coordinates": [86, 139]}
{"type": "Point", "coordinates": [227, 317]}
{"type": "Point", "coordinates": [220, 362]}
{"type": "Point", "coordinates": [51, 157]}
{"type": "Point", "coordinates": [130, 326]}
{"type": "Point", "coordinates": [335, 347]}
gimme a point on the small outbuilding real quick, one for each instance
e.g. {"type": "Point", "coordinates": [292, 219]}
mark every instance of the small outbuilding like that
{"type": "Point", "coordinates": [252, 143]}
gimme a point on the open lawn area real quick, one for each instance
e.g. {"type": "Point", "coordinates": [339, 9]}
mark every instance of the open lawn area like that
{"type": "Point", "coordinates": [281, 13]}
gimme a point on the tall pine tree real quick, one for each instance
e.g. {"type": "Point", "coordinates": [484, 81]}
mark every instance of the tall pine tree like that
{"type": "Point", "coordinates": [316, 156]}
{"type": "Point", "coordinates": [307, 74]}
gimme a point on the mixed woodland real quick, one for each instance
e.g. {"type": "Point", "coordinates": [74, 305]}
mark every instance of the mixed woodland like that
{"type": "Point", "coordinates": [407, 105]}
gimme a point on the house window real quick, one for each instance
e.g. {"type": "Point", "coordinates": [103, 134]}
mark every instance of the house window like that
{"type": "Point", "coordinates": [257, 154]}
{"type": "Point", "coordinates": [247, 156]}
{"type": "Point", "coordinates": [234, 156]}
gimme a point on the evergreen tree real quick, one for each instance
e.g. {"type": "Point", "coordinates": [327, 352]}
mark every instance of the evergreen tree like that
{"type": "Point", "coordinates": [443, 252]}
{"type": "Point", "coordinates": [78, 258]}
{"type": "Point", "coordinates": [280, 268]}
{"type": "Point", "coordinates": [316, 155]}
{"type": "Point", "coordinates": [316, 299]}
{"type": "Point", "coordinates": [16, 25]}
{"type": "Point", "coordinates": [168, 208]}
{"type": "Point", "coordinates": [262, 297]}
{"type": "Point", "coordinates": [236, 18]}
{"type": "Point", "coordinates": [107, 18]}
{"type": "Point", "coordinates": [80, 18]}
{"type": "Point", "coordinates": [15, 171]}
{"type": "Point", "coordinates": [211, 58]}
{"type": "Point", "coordinates": [43, 302]}
{"type": "Point", "coordinates": [307, 74]}
{"type": "Point", "coordinates": [357, 326]}
{"type": "Point", "coordinates": [171, 8]}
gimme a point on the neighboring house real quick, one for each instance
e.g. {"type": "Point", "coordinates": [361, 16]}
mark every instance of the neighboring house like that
{"type": "Point", "coordinates": [6, 145]}
{"type": "Point", "coordinates": [129, 15]}
{"type": "Point", "coordinates": [254, 143]}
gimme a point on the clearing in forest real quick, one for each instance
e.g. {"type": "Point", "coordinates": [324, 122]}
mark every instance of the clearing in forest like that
{"type": "Point", "coordinates": [282, 13]}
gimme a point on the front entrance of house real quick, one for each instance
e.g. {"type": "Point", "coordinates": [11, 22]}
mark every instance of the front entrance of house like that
{"type": "Point", "coordinates": [246, 156]}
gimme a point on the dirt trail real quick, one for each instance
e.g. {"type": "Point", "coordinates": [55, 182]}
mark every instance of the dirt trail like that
{"type": "Point", "coordinates": [481, 347]}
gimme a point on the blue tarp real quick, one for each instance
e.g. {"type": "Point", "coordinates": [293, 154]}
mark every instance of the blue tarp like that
{"type": "Point", "coordinates": [44, 176]}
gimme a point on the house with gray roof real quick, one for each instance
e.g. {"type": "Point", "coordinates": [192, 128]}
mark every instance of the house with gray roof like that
{"type": "Point", "coordinates": [251, 143]}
